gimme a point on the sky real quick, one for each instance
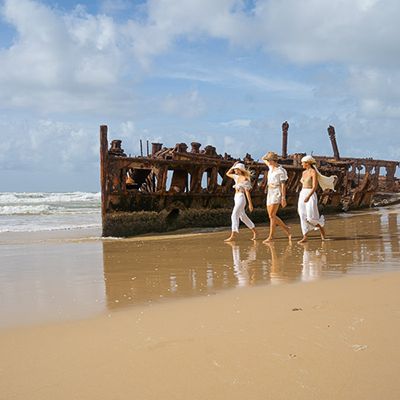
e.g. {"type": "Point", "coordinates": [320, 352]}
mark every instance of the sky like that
{"type": "Point", "coordinates": [220, 72]}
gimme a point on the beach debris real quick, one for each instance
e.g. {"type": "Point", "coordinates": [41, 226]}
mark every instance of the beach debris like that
{"type": "Point", "coordinates": [291, 355]}
{"type": "Point", "coordinates": [359, 347]}
{"type": "Point", "coordinates": [297, 309]}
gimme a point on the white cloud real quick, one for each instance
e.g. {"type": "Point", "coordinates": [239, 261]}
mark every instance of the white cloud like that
{"type": "Point", "coordinates": [167, 20]}
{"type": "Point", "coordinates": [114, 6]}
{"type": "Point", "coordinates": [188, 105]}
{"type": "Point", "coordinates": [44, 144]}
{"type": "Point", "coordinates": [237, 123]}
{"type": "Point", "coordinates": [270, 84]}
{"type": "Point", "coordinates": [311, 31]}
{"type": "Point", "coordinates": [61, 62]}
{"type": "Point", "coordinates": [356, 32]}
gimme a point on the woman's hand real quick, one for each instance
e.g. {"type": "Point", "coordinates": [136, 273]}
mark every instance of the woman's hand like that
{"type": "Point", "coordinates": [251, 207]}
{"type": "Point", "coordinates": [306, 199]}
{"type": "Point", "coordinates": [283, 202]}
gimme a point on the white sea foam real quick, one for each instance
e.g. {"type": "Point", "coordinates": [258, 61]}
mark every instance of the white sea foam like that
{"type": "Point", "coordinates": [33, 212]}
{"type": "Point", "coordinates": [39, 228]}
{"type": "Point", "coordinates": [44, 209]}
{"type": "Point", "coordinates": [44, 198]}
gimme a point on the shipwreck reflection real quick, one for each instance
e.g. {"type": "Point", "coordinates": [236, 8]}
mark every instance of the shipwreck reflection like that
{"type": "Point", "coordinates": [145, 271]}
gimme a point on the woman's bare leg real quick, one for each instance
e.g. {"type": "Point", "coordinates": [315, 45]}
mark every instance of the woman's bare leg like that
{"type": "Point", "coordinates": [285, 227]}
{"type": "Point", "coordinates": [272, 210]}
{"type": "Point", "coordinates": [275, 220]}
{"type": "Point", "coordinates": [231, 238]}
{"type": "Point", "coordinates": [303, 240]}
{"type": "Point", "coordinates": [322, 231]}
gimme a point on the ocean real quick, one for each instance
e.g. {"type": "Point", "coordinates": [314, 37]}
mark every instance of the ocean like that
{"type": "Point", "coordinates": [41, 211]}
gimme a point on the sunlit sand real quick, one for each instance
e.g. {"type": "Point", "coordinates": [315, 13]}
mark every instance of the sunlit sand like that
{"type": "Point", "coordinates": [188, 316]}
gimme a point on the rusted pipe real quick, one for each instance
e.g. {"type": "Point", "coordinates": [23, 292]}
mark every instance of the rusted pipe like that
{"type": "Point", "coordinates": [285, 128]}
{"type": "Point", "coordinates": [332, 136]}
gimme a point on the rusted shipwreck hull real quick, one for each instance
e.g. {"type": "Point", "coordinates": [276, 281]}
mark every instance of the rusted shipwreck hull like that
{"type": "Point", "coordinates": [171, 188]}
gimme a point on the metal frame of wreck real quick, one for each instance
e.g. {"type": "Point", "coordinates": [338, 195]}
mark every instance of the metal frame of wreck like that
{"type": "Point", "coordinates": [135, 198]}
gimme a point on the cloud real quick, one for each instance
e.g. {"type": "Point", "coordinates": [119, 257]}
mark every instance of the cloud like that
{"type": "Point", "coordinates": [46, 144]}
{"type": "Point", "coordinates": [378, 91]}
{"type": "Point", "coordinates": [254, 64]}
{"type": "Point", "coordinates": [188, 105]}
{"type": "Point", "coordinates": [169, 20]}
{"type": "Point", "coordinates": [237, 123]}
{"type": "Point", "coordinates": [61, 62]}
{"type": "Point", "coordinates": [311, 31]}
{"type": "Point", "coordinates": [315, 31]}
{"type": "Point", "coordinates": [114, 6]}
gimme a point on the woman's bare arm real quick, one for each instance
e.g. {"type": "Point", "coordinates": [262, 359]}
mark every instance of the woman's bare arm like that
{"type": "Point", "coordinates": [248, 195]}
{"type": "Point", "coordinates": [230, 171]}
{"type": "Point", "coordinates": [283, 191]}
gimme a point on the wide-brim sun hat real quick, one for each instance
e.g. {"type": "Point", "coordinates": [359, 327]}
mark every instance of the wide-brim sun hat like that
{"type": "Point", "coordinates": [240, 166]}
{"type": "Point", "coordinates": [308, 159]}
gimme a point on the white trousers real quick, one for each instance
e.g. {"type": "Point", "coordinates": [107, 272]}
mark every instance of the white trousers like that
{"type": "Point", "coordinates": [239, 213]}
{"type": "Point", "coordinates": [308, 212]}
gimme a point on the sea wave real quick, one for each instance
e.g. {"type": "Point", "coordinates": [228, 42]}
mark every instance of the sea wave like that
{"type": "Point", "coordinates": [49, 203]}
{"type": "Point", "coordinates": [41, 211]}
{"type": "Point", "coordinates": [13, 198]}
{"type": "Point", "coordinates": [41, 228]}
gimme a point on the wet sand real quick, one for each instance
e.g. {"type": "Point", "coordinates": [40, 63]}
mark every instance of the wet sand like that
{"type": "Point", "coordinates": [69, 275]}
{"type": "Point", "coordinates": [186, 316]}
{"type": "Point", "coordinates": [330, 339]}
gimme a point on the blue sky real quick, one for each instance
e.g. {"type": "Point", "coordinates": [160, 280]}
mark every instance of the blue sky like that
{"type": "Point", "coordinates": [225, 72]}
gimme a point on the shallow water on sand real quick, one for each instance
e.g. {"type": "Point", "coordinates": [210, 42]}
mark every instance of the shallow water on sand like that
{"type": "Point", "coordinates": [46, 278]}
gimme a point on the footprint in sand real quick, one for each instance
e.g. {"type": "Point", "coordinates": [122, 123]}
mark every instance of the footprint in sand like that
{"type": "Point", "coordinates": [359, 347]}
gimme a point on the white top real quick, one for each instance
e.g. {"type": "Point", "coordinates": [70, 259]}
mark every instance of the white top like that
{"type": "Point", "coordinates": [241, 185]}
{"type": "Point", "coordinates": [277, 175]}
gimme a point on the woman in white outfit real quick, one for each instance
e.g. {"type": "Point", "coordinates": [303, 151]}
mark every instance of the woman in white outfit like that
{"type": "Point", "coordinates": [276, 195]}
{"type": "Point", "coordinates": [241, 176]}
{"type": "Point", "coordinates": [308, 202]}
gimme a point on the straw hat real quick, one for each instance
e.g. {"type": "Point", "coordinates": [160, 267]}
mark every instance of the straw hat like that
{"type": "Point", "coordinates": [271, 156]}
{"type": "Point", "coordinates": [308, 160]}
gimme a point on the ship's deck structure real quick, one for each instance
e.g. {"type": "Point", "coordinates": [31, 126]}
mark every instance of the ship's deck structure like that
{"type": "Point", "coordinates": [177, 187]}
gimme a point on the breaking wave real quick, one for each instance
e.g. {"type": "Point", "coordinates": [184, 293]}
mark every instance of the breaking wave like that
{"type": "Point", "coordinates": [33, 212]}
{"type": "Point", "coordinates": [49, 203]}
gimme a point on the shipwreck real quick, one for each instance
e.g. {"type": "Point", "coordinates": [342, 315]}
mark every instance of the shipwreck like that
{"type": "Point", "coordinates": [177, 187]}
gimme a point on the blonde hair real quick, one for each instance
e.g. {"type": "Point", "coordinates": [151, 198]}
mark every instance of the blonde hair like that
{"type": "Point", "coordinates": [271, 156]}
{"type": "Point", "coordinates": [245, 172]}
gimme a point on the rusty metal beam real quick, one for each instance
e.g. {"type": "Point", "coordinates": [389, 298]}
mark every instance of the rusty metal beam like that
{"type": "Point", "coordinates": [103, 170]}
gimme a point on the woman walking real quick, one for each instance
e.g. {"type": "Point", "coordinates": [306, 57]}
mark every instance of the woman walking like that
{"type": "Point", "coordinates": [308, 201]}
{"type": "Point", "coordinates": [241, 176]}
{"type": "Point", "coordinates": [276, 196]}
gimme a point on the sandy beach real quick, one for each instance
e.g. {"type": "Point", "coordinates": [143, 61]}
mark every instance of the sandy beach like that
{"type": "Point", "coordinates": [187, 316]}
{"type": "Point", "coordinates": [332, 339]}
